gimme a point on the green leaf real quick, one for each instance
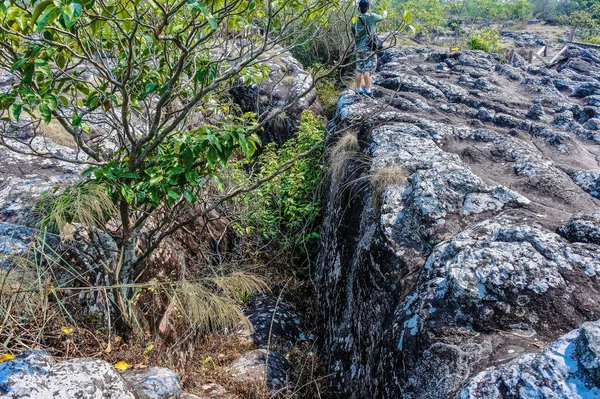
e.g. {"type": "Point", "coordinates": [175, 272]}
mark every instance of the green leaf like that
{"type": "Point", "coordinates": [48, 15]}
{"type": "Point", "coordinates": [127, 194]}
{"type": "Point", "coordinates": [189, 196]}
{"type": "Point", "coordinates": [45, 112]}
{"type": "Point", "coordinates": [28, 75]}
{"type": "Point", "coordinates": [51, 101]}
{"type": "Point", "coordinates": [72, 14]}
{"type": "Point", "coordinates": [172, 194]}
{"type": "Point", "coordinates": [15, 111]}
{"type": "Point", "coordinates": [76, 120]}
{"type": "Point", "coordinates": [37, 11]}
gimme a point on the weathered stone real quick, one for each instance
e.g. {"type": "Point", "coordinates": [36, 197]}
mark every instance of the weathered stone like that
{"type": "Point", "coordinates": [280, 92]}
{"type": "Point", "coordinates": [568, 368]}
{"type": "Point", "coordinates": [24, 178]}
{"type": "Point", "coordinates": [272, 324]}
{"type": "Point", "coordinates": [153, 382]}
{"type": "Point", "coordinates": [582, 228]}
{"type": "Point", "coordinates": [36, 375]}
{"type": "Point", "coordinates": [250, 368]}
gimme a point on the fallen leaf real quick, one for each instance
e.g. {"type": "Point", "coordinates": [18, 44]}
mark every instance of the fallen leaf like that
{"type": "Point", "coordinates": [6, 357]}
{"type": "Point", "coordinates": [66, 330]}
{"type": "Point", "coordinates": [122, 365]}
{"type": "Point", "coordinates": [148, 349]}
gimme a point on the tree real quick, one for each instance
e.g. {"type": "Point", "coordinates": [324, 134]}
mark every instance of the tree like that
{"type": "Point", "coordinates": [138, 87]}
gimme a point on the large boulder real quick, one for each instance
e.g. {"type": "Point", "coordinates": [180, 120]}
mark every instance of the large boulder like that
{"type": "Point", "coordinates": [447, 246]}
{"type": "Point", "coordinates": [36, 375]}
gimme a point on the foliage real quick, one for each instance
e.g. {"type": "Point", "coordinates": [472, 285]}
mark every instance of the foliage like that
{"type": "Point", "coordinates": [586, 21]}
{"type": "Point", "coordinates": [328, 92]}
{"type": "Point", "coordinates": [519, 10]}
{"type": "Point", "coordinates": [285, 208]}
{"type": "Point", "coordinates": [428, 14]}
{"type": "Point", "coordinates": [593, 40]}
{"type": "Point", "coordinates": [487, 40]}
{"type": "Point", "coordinates": [139, 88]}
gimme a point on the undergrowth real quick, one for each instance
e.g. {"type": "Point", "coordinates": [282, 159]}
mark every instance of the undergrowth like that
{"type": "Point", "coordinates": [285, 209]}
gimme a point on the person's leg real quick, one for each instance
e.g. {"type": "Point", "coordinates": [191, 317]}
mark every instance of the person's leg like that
{"type": "Point", "coordinates": [367, 76]}
{"type": "Point", "coordinates": [359, 78]}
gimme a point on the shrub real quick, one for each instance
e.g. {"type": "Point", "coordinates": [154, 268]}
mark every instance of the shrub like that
{"type": "Point", "coordinates": [285, 208]}
{"type": "Point", "coordinates": [487, 40]}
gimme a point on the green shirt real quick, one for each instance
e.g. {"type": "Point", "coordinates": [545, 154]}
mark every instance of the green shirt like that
{"type": "Point", "coordinates": [360, 33]}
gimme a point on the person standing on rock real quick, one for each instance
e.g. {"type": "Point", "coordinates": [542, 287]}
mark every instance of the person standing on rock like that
{"type": "Point", "coordinates": [364, 29]}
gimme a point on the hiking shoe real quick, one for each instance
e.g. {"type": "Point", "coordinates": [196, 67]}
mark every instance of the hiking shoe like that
{"type": "Point", "coordinates": [359, 91]}
{"type": "Point", "coordinates": [368, 93]}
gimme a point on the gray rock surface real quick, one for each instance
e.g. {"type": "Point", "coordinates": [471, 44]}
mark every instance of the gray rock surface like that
{"type": "Point", "coordinates": [271, 319]}
{"type": "Point", "coordinates": [566, 369]}
{"type": "Point", "coordinates": [36, 375]}
{"type": "Point", "coordinates": [250, 368]}
{"type": "Point", "coordinates": [154, 382]}
{"type": "Point", "coordinates": [23, 178]}
{"type": "Point", "coordinates": [448, 244]}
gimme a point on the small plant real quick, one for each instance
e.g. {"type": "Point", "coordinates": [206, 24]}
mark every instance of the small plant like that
{"type": "Point", "coordinates": [487, 40]}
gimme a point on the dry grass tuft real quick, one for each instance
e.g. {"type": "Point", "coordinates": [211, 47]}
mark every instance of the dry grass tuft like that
{"type": "Point", "coordinates": [85, 204]}
{"type": "Point", "coordinates": [386, 177]}
{"type": "Point", "coordinates": [345, 149]}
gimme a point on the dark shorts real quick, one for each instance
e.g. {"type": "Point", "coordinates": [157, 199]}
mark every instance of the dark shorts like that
{"type": "Point", "coordinates": [366, 60]}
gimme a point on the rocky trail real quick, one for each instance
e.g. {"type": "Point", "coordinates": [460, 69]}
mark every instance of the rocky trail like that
{"type": "Point", "coordinates": [461, 231]}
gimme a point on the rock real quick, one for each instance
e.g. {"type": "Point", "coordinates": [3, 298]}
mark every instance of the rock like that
{"type": "Point", "coordinates": [588, 180]}
{"type": "Point", "coordinates": [287, 80]}
{"type": "Point", "coordinates": [269, 319]}
{"type": "Point", "coordinates": [440, 255]}
{"type": "Point", "coordinates": [250, 368]}
{"type": "Point", "coordinates": [582, 228]}
{"type": "Point", "coordinates": [535, 112]}
{"type": "Point", "coordinates": [568, 368]}
{"type": "Point", "coordinates": [154, 382]}
{"type": "Point", "coordinates": [36, 375]}
{"type": "Point", "coordinates": [24, 178]}
{"type": "Point", "coordinates": [17, 241]}
{"type": "Point", "coordinates": [209, 391]}
{"type": "Point", "coordinates": [592, 124]}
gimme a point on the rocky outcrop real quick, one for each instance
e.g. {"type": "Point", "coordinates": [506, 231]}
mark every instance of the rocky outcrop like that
{"type": "Point", "coordinates": [448, 242]}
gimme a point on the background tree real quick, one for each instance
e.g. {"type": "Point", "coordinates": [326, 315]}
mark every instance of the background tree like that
{"type": "Point", "coordinates": [138, 87]}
